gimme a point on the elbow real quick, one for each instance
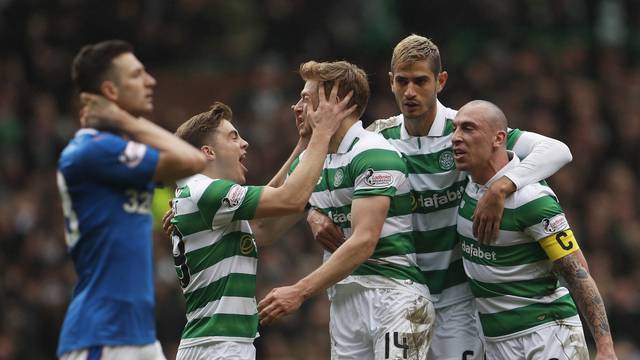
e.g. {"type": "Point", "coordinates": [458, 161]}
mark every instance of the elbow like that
{"type": "Point", "coordinates": [564, 150]}
{"type": "Point", "coordinates": [368, 246]}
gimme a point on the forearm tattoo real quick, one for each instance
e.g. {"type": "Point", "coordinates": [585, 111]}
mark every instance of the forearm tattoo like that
{"type": "Point", "coordinates": [584, 290]}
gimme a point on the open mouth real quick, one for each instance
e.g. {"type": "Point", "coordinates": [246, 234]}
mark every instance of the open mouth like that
{"type": "Point", "coordinates": [242, 160]}
{"type": "Point", "coordinates": [458, 153]}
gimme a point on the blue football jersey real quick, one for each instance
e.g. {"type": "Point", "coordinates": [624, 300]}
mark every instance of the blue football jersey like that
{"type": "Point", "coordinates": [106, 186]}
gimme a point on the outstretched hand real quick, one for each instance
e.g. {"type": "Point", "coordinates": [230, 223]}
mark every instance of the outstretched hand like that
{"type": "Point", "coordinates": [330, 112]}
{"type": "Point", "coordinates": [279, 302]}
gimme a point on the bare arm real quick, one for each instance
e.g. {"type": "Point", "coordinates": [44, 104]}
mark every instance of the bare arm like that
{"type": "Point", "coordinates": [293, 195]}
{"type": "Point", "coordinates": [267, 230]}
{"type": "Point", "coordinates": [177, 159]}
{"type": "Point", "coordinates": [572, 268]}
{"type": "Point", "coordinates": [368, 216]}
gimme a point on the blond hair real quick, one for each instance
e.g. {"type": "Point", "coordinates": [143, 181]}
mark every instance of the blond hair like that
{"type": "Point", "coordinates": [416, 48]}
{"type": "Point", "coordinates": [351, 78]}
{"type": "Point", "coordinates": [196, 130]}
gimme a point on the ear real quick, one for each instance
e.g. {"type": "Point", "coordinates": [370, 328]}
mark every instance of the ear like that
{"type": "Point", "coordinates": [208, 152]}
{"type": "Point", "coordinates": [109, 90]}
{"type": "Point", "coordinates": [442, 80]}
{"type": "Point", "coordinates": [500, 139]}
{"type": "Point", "coordinates": [391, 80]}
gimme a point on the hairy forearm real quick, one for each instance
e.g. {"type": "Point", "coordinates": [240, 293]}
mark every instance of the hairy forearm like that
{"type": "Point", "coordinates": [585, 292]}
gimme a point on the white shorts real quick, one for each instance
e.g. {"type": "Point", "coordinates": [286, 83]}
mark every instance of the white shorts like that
{"type": "Point", "coordinates": [561, 342]}
{"type": "Point", "coordinates": [138, 352]}
{"type": "Point", "coordinates": [379, 323]}
{"type": "Point", "coordinates": [457, 333]}
{"type": "Point", "coordinates": [230, 350]}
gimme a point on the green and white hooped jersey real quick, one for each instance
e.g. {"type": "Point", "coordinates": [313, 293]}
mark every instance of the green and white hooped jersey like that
{"type": "Point", "coordinates": [216, 259]}
{"type": "Point", "coordinates": [436, 188]}
{"type": "Point", "coordinates": [515, 290]}
{"type": "Point", "coordinates": [366, 165]}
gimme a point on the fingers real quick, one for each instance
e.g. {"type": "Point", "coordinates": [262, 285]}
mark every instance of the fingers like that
{"type": "Point", "coordinates": [476, 223]}
{"type": "Point", "coordinates": [334, 90]}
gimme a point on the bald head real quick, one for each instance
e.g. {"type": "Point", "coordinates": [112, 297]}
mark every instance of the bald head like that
{"type": "Point", "coordinates": [486, 111]}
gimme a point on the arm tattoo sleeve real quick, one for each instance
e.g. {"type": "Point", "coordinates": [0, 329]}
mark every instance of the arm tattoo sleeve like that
{"type": "Point", "coordinates": [584, 290]}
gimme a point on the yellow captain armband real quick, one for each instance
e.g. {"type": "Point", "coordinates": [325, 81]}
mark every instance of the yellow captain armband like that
{"type": "Point", "coordinates": [559, 244]}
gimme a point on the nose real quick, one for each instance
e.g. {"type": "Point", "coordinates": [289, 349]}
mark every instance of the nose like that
{"type": "Point", "coordinates": [410, 92]}
{"type": "Point", "coordinates": [297, 108]}
{"type": "Point", "coordinates": [150, 80]}
{"type": "Point", "coordinates": [456, 138]}
{"type": "Point", "coordinates": [244, 144]}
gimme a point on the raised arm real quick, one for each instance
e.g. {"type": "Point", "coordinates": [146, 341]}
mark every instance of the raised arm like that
{"type": "Point", "coordinates": [573, 269]}
{"type": "Point", "coordinates": [177, 159]}
{"type": "Point", "coordinates": [293, 195]}
{"type": "Point", "coordinates": [368, 216]}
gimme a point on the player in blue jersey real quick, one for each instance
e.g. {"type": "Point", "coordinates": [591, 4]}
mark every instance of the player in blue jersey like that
{"type": "Point", "coordinates": [106, 181]}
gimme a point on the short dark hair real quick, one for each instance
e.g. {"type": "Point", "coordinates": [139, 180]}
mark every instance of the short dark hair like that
{"type": "Point", "coordinates": [196, 130]}
{"type": "Point", "coordinates": [93, 62]}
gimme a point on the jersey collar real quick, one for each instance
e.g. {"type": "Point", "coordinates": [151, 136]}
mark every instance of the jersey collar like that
{"type": "Point", "coordinates": [437, 128]}
{"type": "Point", "coordinates": [350, 137]}
{"type": "Point", "coordinates": [86, 131]}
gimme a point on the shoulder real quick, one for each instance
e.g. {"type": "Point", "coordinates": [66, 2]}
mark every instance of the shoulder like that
{"type": "Point", "coordinates": [530, 193]}
{"type": "Point", "coordinates": [387, 127]}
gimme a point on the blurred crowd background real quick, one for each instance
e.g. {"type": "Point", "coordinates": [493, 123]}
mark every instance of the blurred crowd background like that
{"type": "Point", "coordinates": [569, 69]}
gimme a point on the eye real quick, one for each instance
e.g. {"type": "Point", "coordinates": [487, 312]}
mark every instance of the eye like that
{"type": "Point", "coordinates": [421, 81]}
{"type": "Point", "coordinates": [401, 81]}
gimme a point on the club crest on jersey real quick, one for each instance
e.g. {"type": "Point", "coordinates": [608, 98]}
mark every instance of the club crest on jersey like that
{"type": "Point", "coordinates": [338, 177]}
{"type": "Point", "coordinates": [445, 159]}
{"type": "Point", "coordinates": [378, 178]}
{"type": "Point", "coordinates": [133, 154]}
{"type": "Point", "coordinates": [234, 196]}
{"type": "Point", "coordinates": [555, 224]}
{"type": "Point", "coordinates": [247, 245]}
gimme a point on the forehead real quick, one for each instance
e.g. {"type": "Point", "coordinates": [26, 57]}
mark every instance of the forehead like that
{"type": "Point", "coordinates": [226, 127]}
{"type": "Point", "coordinates": [126, 63]}
{"type": "Point", "coordinates": [310, 87]}
{"type": "Point", "coordinates": [414, 69]}
{"type": "Point", "coordinates": [469, 114]}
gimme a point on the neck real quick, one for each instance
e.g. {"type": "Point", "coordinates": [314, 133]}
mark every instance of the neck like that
{"type": "Point", "coordinates": [486, 171]}
{"type": "Point", "coordinates": [336, 139]}
{"type": "Point", "coordinates": [211, 171]}
{"type": "Point", "coordinates": [421, 126]}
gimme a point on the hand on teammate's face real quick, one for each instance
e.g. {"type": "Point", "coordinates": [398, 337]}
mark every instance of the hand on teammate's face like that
{"type": "Point", "coordinates": [329, 114]}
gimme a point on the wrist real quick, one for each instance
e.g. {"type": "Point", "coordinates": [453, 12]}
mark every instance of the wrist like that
{"type": "Point", "coordinates": [503, 186]}
{"type": "Point", "coordinates": [304, 287]}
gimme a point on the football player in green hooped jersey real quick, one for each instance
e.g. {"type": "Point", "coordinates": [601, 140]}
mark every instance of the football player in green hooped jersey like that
{"type": "Point", "coordinates": [524, 312]}
{"type": "Point", "coordinates": [213, 245]}
{"type": "Point", "coordinates": [422, 133]}
{"type": "Point", "coordinates": [380, 306]}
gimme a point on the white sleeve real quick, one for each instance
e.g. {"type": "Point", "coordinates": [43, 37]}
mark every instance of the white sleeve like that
{"type": "Point", "coordinates": [541, 157]}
